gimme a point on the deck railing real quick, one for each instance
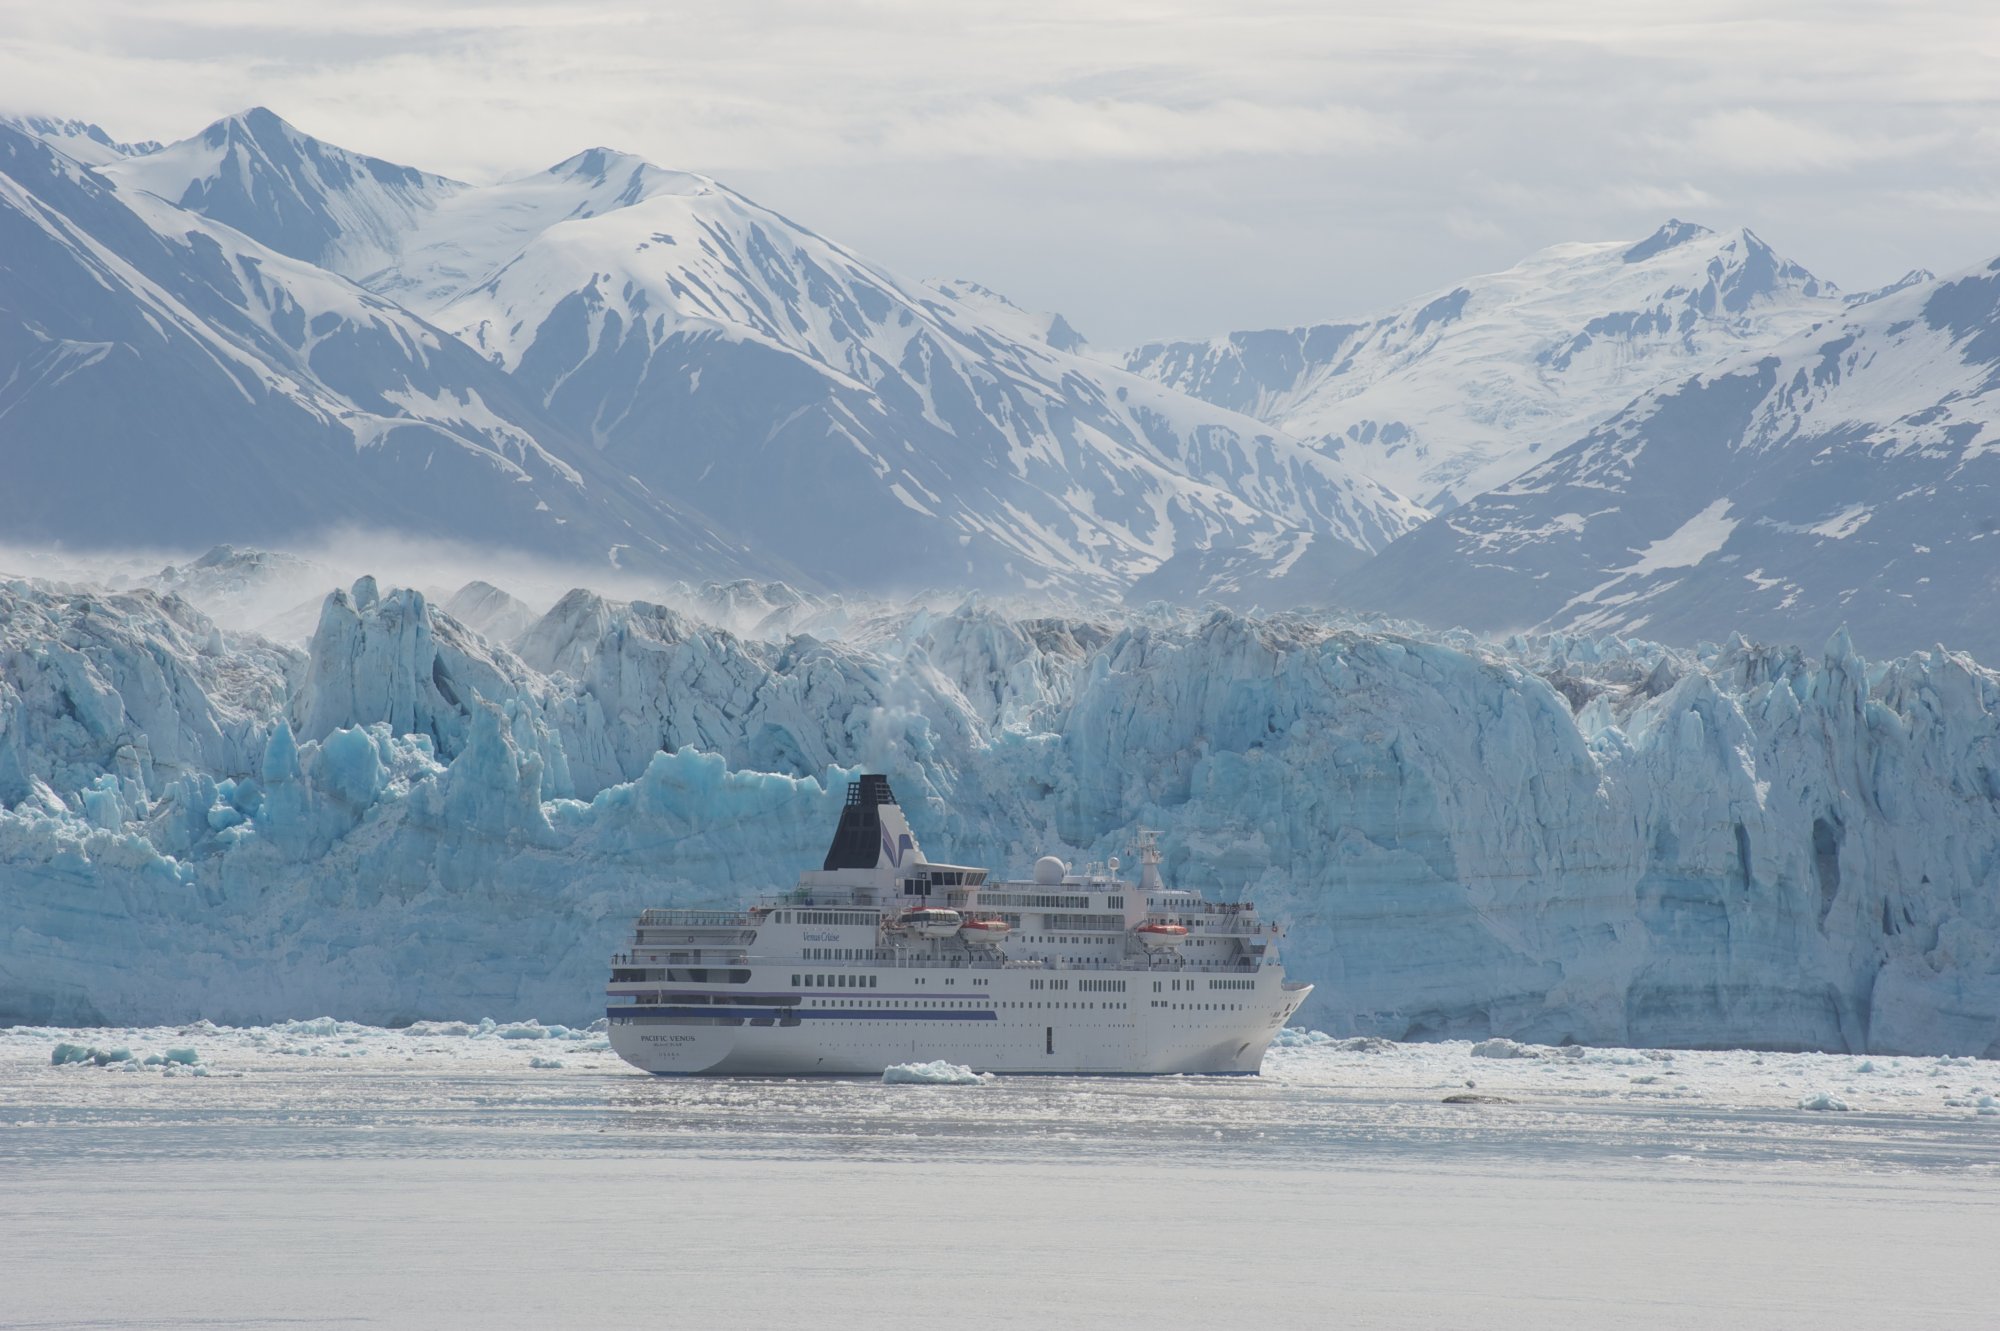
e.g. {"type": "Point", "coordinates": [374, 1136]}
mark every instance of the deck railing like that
{"type": "Point", "coordinates": [1121, 965]}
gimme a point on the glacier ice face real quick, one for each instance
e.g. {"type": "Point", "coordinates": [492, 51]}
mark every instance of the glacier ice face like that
{"type": "Point", "coordinates": [1546, 839]}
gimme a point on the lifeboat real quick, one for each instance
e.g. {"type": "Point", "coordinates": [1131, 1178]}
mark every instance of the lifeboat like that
{"type": "Point", "coordinates": [929, 922]}
{"type": "Point", "coordinates": [1154, 936]}
{"type": "Point", "coordinates": [984, 931]}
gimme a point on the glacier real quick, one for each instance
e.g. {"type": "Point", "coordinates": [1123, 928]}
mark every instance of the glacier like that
{"type": "Point", "coordinates": [1549, 839]}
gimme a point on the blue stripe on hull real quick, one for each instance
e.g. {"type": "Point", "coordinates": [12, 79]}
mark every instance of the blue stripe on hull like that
{"type": "Point", "coordinates": [840, 1014]}
{"type": "Point", "coordinates": [1018, 1072]}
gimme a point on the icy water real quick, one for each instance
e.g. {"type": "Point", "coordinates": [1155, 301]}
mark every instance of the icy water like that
{"type": "Point", "coordinates": [322, 1174]}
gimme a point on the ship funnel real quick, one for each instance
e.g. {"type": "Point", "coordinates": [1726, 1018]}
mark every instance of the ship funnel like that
{"type": "Point", "coordinates": [873, 832]}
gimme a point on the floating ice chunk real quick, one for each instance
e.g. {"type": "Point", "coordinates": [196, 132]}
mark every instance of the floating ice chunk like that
{"type": "Point", "coordinates": [1298, 1037]}
{"type": "Point", "coordinates": [321, 1026]}
{"type": "Point", "coordinates": [76, 1053]}
{"type": "Point", "coordinates": [1362, 1044]}
{"type": "Point", "coordinates": [531, 1030]}
{"type": "Point", "coordinates": [440, 1029]}
{"type": "Point", "coordinates": [1500, 1047]}
{"type": "Point", "coordinates": [938, 1073]}
{"type": "Point", "coordinates": [184, 1056]}
{"type": "Point", "coordinates": [1823, 1100]}
{"type": "Point", "coordinates": [540, 1062]}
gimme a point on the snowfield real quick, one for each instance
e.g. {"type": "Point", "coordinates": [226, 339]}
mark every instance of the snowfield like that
{"type": "Point", "coordinates": [1551, 839]}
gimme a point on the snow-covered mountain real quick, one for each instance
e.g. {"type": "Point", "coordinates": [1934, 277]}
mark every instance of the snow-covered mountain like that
{"type": "Point", "coordinates": [79, 139]}
{"type": "Point", "coordinates": [171, 381]}
{"type": "Point", "coordinates": [875, 431]}
{"type": "Point", "coordinates": [1551, 839]}
{"type": "Point", "coordinates": [1850, 475]}
{"type": "Point", "coordinates": [336, 209]}
{"type": "Point", "coordinates": [1466, 388]}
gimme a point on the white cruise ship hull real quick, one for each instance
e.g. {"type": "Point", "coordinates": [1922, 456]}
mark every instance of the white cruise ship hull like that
{"type": "Point", "coordinates": [1011, 1029]}
{"type": "Point", "coordinates": [883, 956]}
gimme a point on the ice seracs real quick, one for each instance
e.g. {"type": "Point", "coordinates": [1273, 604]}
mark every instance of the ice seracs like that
{"type": "Point", "coordinates": [1594, 839]}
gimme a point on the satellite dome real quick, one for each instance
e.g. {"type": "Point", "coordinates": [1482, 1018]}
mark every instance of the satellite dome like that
{"type": "Point", "coordinates": [1049, 870]}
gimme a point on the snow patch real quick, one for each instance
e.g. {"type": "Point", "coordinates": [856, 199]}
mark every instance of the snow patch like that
{"type": "Point", "coordinates": [1690, 543]}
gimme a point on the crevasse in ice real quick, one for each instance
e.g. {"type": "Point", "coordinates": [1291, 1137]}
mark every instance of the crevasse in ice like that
{"type": "Point", "coordinates": [1545, 839]}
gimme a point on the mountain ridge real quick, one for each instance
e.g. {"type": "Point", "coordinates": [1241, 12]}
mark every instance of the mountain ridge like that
{"type": "Point", "coordinates": [1459, 390]}
{"type": "Point", "coordinates": [1848, 476]}
{"type": "Point", "coordinates": [238, 393]}
{"type": "Point", "coordinates": [701, 344]}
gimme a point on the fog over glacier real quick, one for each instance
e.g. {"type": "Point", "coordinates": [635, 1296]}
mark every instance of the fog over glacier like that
{"type": "Point", "coordinates": [416, 812]}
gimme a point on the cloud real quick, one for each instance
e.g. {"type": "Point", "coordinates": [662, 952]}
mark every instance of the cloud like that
{"type": "Point", "coordinates": [1173, 165]}
{"type": "Point", "coordinates": [1068, 128]}
{"type": "Point", "coordinates": [1750, 139]}
{"type": "Point", "coordinates": [1655, 198]}
{"type": "Point", "coordinates": [1977, 201]}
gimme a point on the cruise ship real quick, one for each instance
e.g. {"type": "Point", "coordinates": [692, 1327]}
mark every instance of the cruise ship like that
{"type": "Point", "coordinates": [882, 957]}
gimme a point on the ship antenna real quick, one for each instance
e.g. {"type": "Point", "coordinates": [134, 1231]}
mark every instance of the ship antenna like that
{"type": "Point", "coordinates": [1148, 846]}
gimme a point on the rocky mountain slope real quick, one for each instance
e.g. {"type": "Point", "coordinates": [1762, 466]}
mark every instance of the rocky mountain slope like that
{"type": "Point", "coordinates": [1464, 389]}
{"type": "Point", "coordinates": [1849, 475]}
{"type": "Point", "coordinates": [698, 350]}
{"type": "Point", "coordinates": [170, 379]}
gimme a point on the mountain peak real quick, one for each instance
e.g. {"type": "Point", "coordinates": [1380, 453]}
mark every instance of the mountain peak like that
{"type": "Point", "coordinates": [300, 195]}
{"type": "Point", "coordinates": [600, 163]}
{"type": "Point", "coordinates": [1914, 278]}
{"type": "Point", "coordinates": [264, 119]}
{"type": "Point", "coordinates": [631, 175]}
{"type": "Point", "coordinates": [80, 139]}
{"type": "Point", "coordinates": [1674, 232]}
{"type": "Point", "coordinates": [258, 124]}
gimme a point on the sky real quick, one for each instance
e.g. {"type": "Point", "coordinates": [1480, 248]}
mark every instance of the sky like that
{"type": "Point", "coordinates": [1148, 169]}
